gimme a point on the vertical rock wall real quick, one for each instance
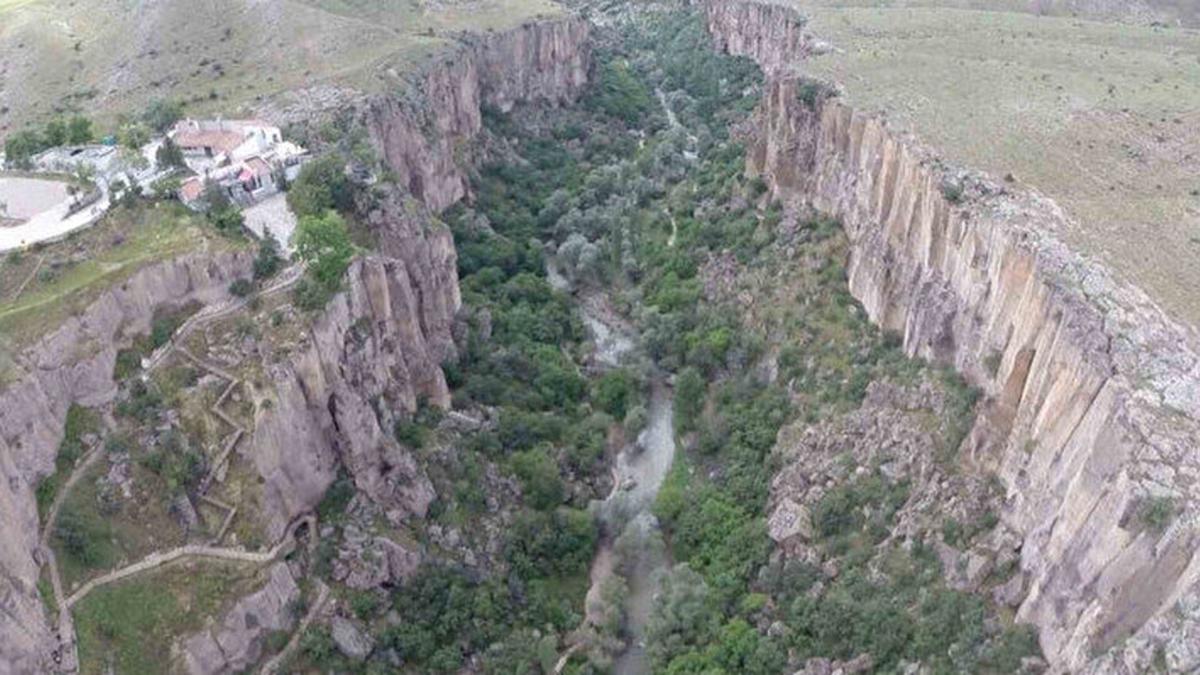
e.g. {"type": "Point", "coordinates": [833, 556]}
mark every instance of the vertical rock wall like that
{"type": "Point", "coordinates": [421, 132]}
{"type": "Point", "coordinates": [376, 350]}
{"type": "Point", "coordinates": [1093, 394]}
{"type": "Point", "coordinates": [379, 347]}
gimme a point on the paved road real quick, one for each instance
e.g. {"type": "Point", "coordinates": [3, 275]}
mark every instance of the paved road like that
{"type": "Point", "coordinates": [54, 224]}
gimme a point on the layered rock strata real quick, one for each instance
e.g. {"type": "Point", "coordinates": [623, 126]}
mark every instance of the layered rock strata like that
{"type": "Point", "coordinates": [1093, 393]}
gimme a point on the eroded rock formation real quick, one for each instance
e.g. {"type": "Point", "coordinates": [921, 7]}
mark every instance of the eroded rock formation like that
{"type": "Point", "coordinates": [374, 352]}
{"type": "Point", "coordinates": [1093, 393]}
{"type": "Point", "coordinates": [236, 641]}
{"type": "Point", "coordinates": [422, 132]}
{"type": "Point", "coordinates": [368, 358]}
{"type": "Point", "coordinates": [73, 364]}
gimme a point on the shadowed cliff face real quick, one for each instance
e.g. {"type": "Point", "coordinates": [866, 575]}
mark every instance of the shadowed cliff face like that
{"type": "Point", "coordinates": [1093, 393]}
{"type": "Point", "coordinates": [420, 133]}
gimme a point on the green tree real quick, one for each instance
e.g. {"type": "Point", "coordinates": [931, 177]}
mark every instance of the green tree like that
{"type": "Point", "coordinates": [689, 399]}
{"type": "Point", "coordinates": [321, 186]}
{"type": "Point", "coordinates": [133, 135]}
{"type": "Point", "coordinates": [226, 219]}
{"type": "Point", "coordinates": [268, 260]}
{"type": "Point", "coordinates": [161, 114]}
{"type": "Point", "coordinates": [169, 155]}
{"type": "Point", "coordinates": [21, 146]}
{"type": "Point", "coordinates": [616, 392]}
{"type": "Point", "coordinates": [55, 133]}
{"type": "Point", "coordinates": [684, 618]}
{"type": "Point", "coordinates": [539, 478]}
{"type": "Point", "coordinates": [324, 244]}
{"type": "Point", "coordinates": [79, 130]}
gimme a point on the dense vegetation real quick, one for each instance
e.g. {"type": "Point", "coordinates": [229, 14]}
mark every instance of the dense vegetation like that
{"type": "Point", "coordinates": [647, 214]}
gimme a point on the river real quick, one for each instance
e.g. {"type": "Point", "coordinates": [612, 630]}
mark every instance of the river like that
{"type": "Point", "coordinates": [638, 473]}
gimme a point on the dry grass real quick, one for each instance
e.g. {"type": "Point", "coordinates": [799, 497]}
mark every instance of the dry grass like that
{"type": "Point", "coordinates": [86, 263]}
{"type": "Point", "coordinates": [1103, 117]}
{"type": "Point", "coordinates": [221, 56]}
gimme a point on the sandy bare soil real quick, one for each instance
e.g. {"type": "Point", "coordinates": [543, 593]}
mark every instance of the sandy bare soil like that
{"type": "Point", "coordinates": [27, 197]}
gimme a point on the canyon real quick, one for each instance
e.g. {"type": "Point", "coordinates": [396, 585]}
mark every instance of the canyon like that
{"type": "Point", "coordinates": [407, 298]}
{"type": "Point", "coordinates": [1092, 399]}
{"type": "Point", "coordinates": [1091, 403]}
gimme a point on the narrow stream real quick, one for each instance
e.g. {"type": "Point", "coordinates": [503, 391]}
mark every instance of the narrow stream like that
{"type": "Point", "coordinates": [639, 472]}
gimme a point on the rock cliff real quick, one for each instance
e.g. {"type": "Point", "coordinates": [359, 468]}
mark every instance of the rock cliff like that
{"type": "Point", "coordinates": [1093, 394]}
{"type": "Point", "coordinates": [372, 354]}
{"type": "Point", "coordinates": [421, 132]}
{"type": "Point", "coordinates": [379, 346]}
{"type": "Point", "coordinates": [235, 643]}
{"type": "Point", "coordinates": [73, 364]}
{"type": "Point", "coordinates": [367, 359]}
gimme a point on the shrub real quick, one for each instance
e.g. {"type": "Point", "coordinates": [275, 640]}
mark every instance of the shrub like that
{"type": "Point", "coordinates": [323, 242]}
{"type": "Point", "coordinates": [268, 261]}
{"type": "Point", "coordinates": [241, 288]}
{"type": "Point", "coordinates": [615, 392]}
{"type": "Point", "coordinates": [1157, 512]}
{"type": "Point", "coordinates": [84, 536]}
{"type": "Point", "coordinates": [953, 191]}
{"type": "Point", "coordinates": [689, 399]}
{"type": "Point", "coordinates": [538, 472]}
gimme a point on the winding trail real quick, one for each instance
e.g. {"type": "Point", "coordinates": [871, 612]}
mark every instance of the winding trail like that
{"type": "Point", "coordinates": [286, 279]}
{"type": "Point", "coordinates": [21, 288]}
{"type": "Point", "coordinates": [67, 655]}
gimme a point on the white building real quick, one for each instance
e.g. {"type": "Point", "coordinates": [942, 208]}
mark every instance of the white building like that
{"type": "Point", "coordinates": [243, 157]}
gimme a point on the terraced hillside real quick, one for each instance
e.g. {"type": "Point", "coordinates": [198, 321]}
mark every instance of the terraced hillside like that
{"type": "Point", "coordinates": [1101, 116]}
{"type": "Point", "coordinates": [104, 57]}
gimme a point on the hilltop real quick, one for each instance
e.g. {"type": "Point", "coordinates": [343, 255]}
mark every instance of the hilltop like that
{"type": "Point", "coordinates": [1100, 116]}
{"type": "Point", "coordinates": [105, 57]}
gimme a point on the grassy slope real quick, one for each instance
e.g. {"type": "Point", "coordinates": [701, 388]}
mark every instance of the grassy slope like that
{"type": "Point", "coordinates": [100, 57]}
{"type": "Point", "coordinates": [120, 245]}
{"type": "Point", "coordinates": [128, 626]}
{"type": "Point", "coordinates": [1103, 117]}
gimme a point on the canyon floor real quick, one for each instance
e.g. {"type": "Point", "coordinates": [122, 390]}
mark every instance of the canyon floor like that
{"type": "Point", "coordinates": [615, 343]}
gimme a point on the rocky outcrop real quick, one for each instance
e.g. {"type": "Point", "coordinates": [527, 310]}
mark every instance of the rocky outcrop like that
{"type": "Point", "coordinates": [73, 364]}
{"type": "Point", "coordinates": [369, 358]}
{"type": "Point", "coordinates": [1093, 393]}
{"type": "Point", "coordinates": [237, 640]}
{"type": "Point", "coordinates": [379, 347]}
{"type": "Point", "coordinates": [421, 133]}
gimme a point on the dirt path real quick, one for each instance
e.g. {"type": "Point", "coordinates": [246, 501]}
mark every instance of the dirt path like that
{"type": "Point", "coordinates": [158, 559]}
{"type": "Point", "coordinates": [21, 288]}
{"type": "Point", "coordinates": [67, 655]}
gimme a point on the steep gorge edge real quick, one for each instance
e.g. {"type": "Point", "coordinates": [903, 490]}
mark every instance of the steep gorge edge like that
{"type": "Point", "coordinates": [1092, 394]}
{"type": "Point", "coordinates": [401, 303]}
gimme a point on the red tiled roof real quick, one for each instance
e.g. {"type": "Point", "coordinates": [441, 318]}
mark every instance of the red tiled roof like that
{"type": "Point", "coordinates": [191, 189]}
